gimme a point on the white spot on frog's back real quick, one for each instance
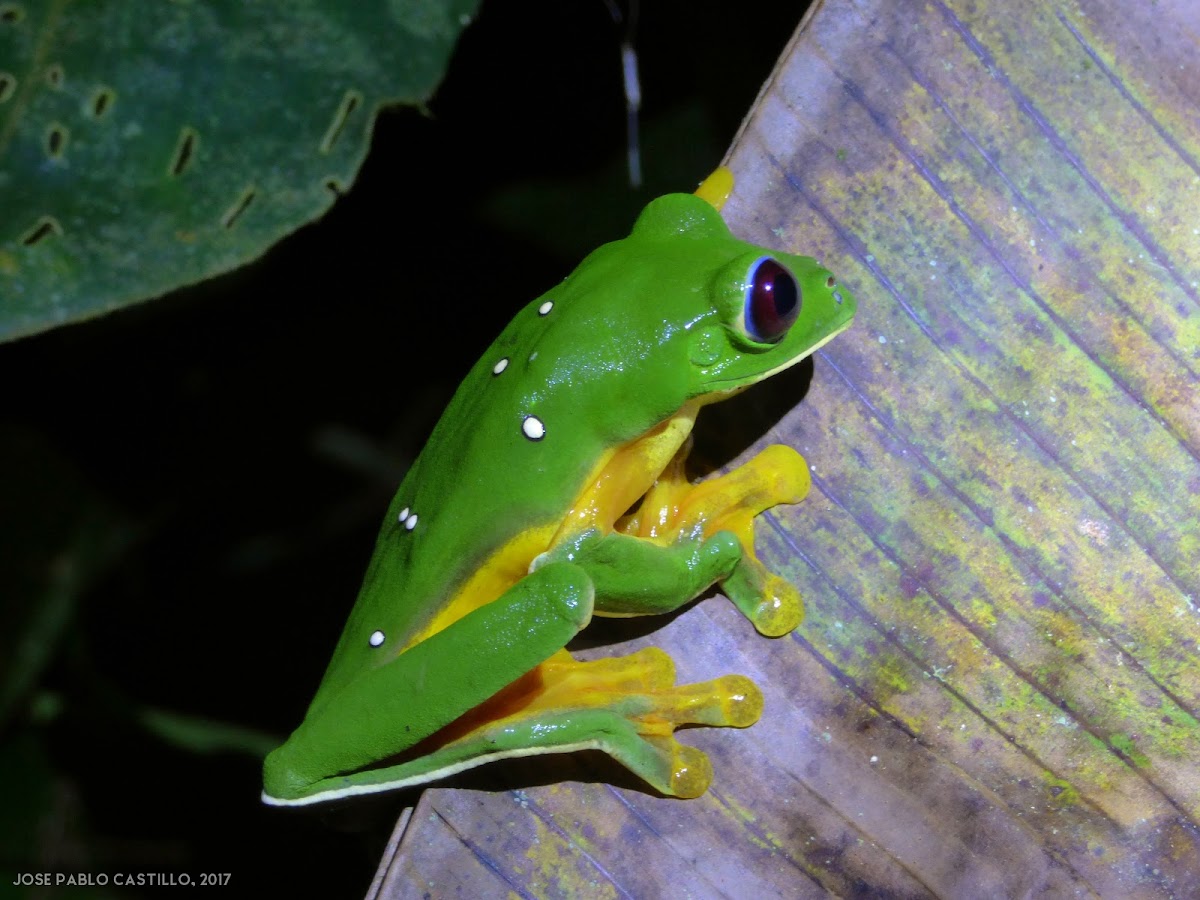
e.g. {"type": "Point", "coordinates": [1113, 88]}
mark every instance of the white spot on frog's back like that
{"type": "Point", "coordinates": [533, 428]}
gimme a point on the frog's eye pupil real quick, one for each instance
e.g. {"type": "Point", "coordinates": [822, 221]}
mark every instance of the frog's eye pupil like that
{"type": "Point", "coordinates": [772, 301]}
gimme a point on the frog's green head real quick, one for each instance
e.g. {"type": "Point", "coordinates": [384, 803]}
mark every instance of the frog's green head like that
{"type": "Point", "coordinates": [767, 310]}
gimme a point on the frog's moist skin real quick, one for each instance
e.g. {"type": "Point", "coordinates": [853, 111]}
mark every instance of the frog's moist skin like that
{"type": "Point", "coordinates": [513, 527]}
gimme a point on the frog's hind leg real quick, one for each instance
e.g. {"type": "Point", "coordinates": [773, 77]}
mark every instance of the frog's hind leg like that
{"type": "Point", "coordinates": [675, 510]}
{"type": "Point", "coordinates": [627, 707]}
{"type": "Point", "coordinates": [636, 707]}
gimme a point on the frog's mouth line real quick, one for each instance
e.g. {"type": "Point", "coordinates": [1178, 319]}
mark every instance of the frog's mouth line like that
{"type": "Point", "coordinates": [725, 393]}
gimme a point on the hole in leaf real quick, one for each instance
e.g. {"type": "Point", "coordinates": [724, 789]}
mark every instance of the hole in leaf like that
{"type": "Point", "coordinates": [11, 13]}
{"type": "Point", "coordinates": [42, 229]}
{"type": "Point", "coordinates": [335, 187]}
{"type": "Point", "coordinates": [235, 212]}
{"type": "Point", "coordinates": [8, 85]}
{"type": "Point", "coordinates": [102, 101]}
{"type": "Point", "coordinates": [54, 76]}
{"type": "Point", "coordinates": [184, 150]}
{"type": "Point", "coordinates": [348, 105]}
{"type": "Point", "coordinates": [56, 140]}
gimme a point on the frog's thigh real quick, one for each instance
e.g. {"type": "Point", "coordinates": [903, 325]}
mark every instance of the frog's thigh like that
{"type": "Point", "coordinates": [730, 503]}
{"type": "Point", "coordinates": [429, 690]}
{"type": "Point", "coordinates": [628, 707]}
{"type": "Point", "coordinates": [635, 576]}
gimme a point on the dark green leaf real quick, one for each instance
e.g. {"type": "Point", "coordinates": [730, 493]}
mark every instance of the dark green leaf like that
{"type": "Point", "coordinates": [144, 146]}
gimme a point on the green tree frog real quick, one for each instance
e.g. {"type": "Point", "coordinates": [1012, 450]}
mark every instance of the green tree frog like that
{"type": "Point", "coordinates": [552, 489]}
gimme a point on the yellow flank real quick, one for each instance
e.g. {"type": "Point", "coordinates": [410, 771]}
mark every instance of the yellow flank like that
{"type": "Point", "coordinates": [624, 476]}
{"type": "Point", "coordinates": [717, 187]}
{"type": "Point", "coordinates": [499, 572]}
{"type": "Point", "coordinates": [620, 478]}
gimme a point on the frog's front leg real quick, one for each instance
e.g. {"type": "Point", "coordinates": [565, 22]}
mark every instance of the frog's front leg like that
{"type": "Point", "coordinates": [634, 576]}
{"type": "Point", "coordinates": [675, 509]}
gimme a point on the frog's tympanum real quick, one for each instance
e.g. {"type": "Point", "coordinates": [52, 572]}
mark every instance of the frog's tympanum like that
{"type": "Point", "coordinates": [552, 489]}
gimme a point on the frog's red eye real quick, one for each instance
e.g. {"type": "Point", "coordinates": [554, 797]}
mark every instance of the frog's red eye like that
{"type": "Point", "coordinates": [772, 301]}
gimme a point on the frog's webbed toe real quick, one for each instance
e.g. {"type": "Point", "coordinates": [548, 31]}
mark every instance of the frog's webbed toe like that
{"type": "Point", "coordinates": [637, 707]}
{"type": "Point", "coordinates": [675, 509]}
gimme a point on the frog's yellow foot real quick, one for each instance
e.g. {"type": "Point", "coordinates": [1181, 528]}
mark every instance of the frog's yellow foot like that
{"type": "Point", "coordinates": [716, 188]}
{"type": "Point", "coordinates": [674, 509]}
{"type": "Point", "coordinates": [629, 707]}
{"type": "Point", "coordinates": [770, 602]}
